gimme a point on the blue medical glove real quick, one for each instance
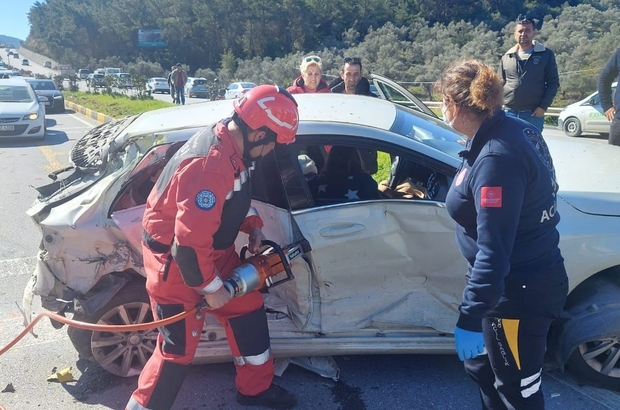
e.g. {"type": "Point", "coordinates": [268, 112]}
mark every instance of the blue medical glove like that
{"type": "Point", "coordinates": [468, 344]}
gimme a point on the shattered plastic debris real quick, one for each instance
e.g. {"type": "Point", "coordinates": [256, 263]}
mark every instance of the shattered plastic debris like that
{"type": "Point", "coordinates": [62, 376]}
{"type": "Point", "coordinates": [9, 388]}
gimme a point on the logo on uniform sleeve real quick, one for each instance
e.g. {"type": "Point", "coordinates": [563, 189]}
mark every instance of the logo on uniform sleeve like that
{"type": "Point", "coordinates": [491, 197]}
{"type": "Point", "coordinates": [205, 200]}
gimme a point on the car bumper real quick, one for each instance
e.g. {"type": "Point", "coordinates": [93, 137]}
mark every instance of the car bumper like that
{"type": "Point", "coordinates": [22, 130]}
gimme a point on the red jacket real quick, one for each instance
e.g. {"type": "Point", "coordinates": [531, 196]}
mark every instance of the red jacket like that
{"type": "Point", "coordinates": [298, 87]}
{"type": "Point", "coordinates": [199, 204]}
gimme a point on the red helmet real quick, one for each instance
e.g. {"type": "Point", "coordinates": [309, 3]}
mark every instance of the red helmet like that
{"type": "Point", "coordinates": [269, 106]}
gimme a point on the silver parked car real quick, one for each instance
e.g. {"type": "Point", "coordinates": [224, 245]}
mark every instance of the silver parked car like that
{"type": "Point", "coordinates": [375, 276]}
{"type": "Point", "coordinates": [235, 90]}
{"type": "Point", "coordinates": [585, 116]}
{"type": "Point", "coordinates": [158, 85]}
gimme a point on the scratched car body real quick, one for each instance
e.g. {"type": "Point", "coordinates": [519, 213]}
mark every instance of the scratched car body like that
{"type": "Point", "coordinates": [376, 276]}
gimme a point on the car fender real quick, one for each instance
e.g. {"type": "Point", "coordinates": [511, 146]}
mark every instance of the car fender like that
{"type": "Point", "coordinates": [595, 317]}
{"type": "Point", "coordinates": [107, 287]}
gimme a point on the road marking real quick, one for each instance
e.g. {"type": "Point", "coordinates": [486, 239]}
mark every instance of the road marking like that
{"type": "Point", "coordinates": [51, 157]}
{"type": "Point", "coordinates": [77, 117]}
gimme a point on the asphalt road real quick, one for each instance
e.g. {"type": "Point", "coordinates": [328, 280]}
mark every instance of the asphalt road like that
{"type": "Point", "coordinates": [366, 382]}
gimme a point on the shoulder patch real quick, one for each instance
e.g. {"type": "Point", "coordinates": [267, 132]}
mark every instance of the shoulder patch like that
{"type": "Point", "coordinates": [491, 197]}
{"type": "Point", "coordinates": [205, 200]}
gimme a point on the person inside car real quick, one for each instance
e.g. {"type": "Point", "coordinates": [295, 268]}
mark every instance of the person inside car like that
{"type": "Point", "coordinates": [344, 178]}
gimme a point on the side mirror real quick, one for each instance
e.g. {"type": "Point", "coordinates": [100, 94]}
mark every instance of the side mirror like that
{"type": "Point", "coordinates": [592, 101]}
{"type": "Point", "coordinates": [43, 99]}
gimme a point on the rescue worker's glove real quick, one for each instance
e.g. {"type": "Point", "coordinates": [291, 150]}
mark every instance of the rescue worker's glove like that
{"type": "Point", "coordinates": [218, 298]}
{"type": "Point", "coordinates": [468, 344]}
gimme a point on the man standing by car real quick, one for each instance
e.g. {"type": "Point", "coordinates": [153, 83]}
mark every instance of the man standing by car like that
{"type": "Point", "coordinates": [172, 90]}
{"type": "Point", "coordinates": [610, 73]}
{"type": "Point", "coordinates": [178, 77]}
{"type": "Point", "coordinates": [530, 75]}
{"type": "Point", "coordinates": [351, 80]}
{"type": "Point", "coordinates": [193, 215]}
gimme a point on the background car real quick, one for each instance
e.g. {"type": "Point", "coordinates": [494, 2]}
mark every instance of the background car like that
{"type": "Point", "coordinates": [585, 116]}
{"type": "Point", "coordinates": [95, 80]}
{"type": "Point", "coordinates": [25, 61]}
{"type": "Point", "coordinates": [47, 64]}
{"type": "Point", "coordinates": [376, 276]}
{"type": "Point", "coordinates": [235, 90]}
{"type": "Point", "coordinates": [196, 87]}
{"type": "Point", "coordinates": [124, 80]}
{"type": "Point", "coordinates": [83, 73]}
{"type": "Point", "coordinates": [22, 112]}
{"type": "Point", "coordinates": [56, 100]}
{"type": "Point", "coordinates": [158, 85]}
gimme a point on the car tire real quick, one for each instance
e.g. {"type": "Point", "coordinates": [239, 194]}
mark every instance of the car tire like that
{"type": "Point", "coordinates": [593, 362]}
{"type": "Point", "coordinates": [122, 353]}
{"type": "Point", "coordinates": [572, 127]}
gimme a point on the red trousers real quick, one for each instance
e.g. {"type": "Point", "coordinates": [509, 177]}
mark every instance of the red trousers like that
{"type": "Point", "coordinates": [243, 318]}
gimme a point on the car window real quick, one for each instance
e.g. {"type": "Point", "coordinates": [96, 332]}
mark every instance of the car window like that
{"type": "Point", "coordinates": [248, 85]}
{"type": "Point", "coordinates": [199, 82]}
{"type": "Point", "coordinates": [42, 85]}
{"type": "Point", "coordinates": [15, 93]}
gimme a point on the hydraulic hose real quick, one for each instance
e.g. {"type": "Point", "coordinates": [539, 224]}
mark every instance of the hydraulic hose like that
{"type": "Point", "coordinates": [101, 328]}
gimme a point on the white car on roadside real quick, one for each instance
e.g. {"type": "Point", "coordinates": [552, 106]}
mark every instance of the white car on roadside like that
{"type": "Point", "coordinates": [235, 90]}
{"type": "Point", "coordinates": [158, 85]}
{"type": "Point", "coordinates": [585, 116]}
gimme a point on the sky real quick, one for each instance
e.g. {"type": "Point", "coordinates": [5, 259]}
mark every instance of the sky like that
{"type": "Point", "coordinates": [14, 17]}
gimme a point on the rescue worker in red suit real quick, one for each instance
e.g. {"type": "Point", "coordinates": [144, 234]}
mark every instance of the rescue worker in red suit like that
{"type": "Point", "coordinates": [193, 215]}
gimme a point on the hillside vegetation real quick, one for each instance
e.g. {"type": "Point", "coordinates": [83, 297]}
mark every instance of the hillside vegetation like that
{"type": "Point", "coordinates": [263, 41]}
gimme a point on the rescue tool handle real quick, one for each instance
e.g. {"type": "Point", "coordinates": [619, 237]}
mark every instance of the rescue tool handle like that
{"type": "Point", "coordinates": [285, 262]}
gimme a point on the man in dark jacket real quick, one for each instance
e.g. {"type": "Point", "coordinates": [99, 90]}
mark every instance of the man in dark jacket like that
{"type": "Point", "coordinates": [610, 73]}
{"type": "Point", "coordinates": [351, 80]}
{"type": "Point", "coordinates": [530, 75]}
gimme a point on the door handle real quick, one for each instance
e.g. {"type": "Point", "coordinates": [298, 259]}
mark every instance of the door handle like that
{"type": "Point", "coordinates": [335, 231]}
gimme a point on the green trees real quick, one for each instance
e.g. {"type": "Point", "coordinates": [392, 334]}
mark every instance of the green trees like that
{"type": "Point", "coordinates": [263, 40]}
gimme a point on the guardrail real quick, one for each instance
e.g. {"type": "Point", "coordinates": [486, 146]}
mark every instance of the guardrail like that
{"type": "Point", "coordinates": [551, 111]}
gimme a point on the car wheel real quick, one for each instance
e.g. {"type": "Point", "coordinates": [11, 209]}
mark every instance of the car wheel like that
{"type": "Point", "coordinates": [598, 362]}
{"type": "Point", "coordinates": [572, 127]}
{"type": "Point", "coordinates": [120, 353]}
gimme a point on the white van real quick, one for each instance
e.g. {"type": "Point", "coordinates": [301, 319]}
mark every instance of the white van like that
{"type": "Point", "coordinates": [585, 116]}
{"type": "Point", "coordinates": [111, 71]}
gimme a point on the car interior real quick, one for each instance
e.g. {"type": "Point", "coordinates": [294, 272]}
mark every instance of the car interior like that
{"type": "Point", "coordinates": [282, 178]}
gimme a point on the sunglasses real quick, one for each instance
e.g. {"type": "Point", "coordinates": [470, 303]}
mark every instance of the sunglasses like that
{"type": "Point", "coordinates": [312, 58]}
{"type": "Point", "coordinates": [355, 60]}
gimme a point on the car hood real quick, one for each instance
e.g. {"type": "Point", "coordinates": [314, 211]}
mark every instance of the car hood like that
{"type": "Point", "coordinates": [17, 108]}
{"type": "Point", "coordinates": [587, 172]}
{"type": "Point", "coordinates": [49, 93]}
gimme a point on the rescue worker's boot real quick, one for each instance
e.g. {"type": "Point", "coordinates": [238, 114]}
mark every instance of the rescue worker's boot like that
{"type": "Point", "coordinates": [275, 397]}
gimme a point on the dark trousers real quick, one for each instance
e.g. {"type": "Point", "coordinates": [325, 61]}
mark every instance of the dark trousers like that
{"type": "Point", "coordinates": [515, 336]}
{"type": "Point", "coordinates": [614, 132]}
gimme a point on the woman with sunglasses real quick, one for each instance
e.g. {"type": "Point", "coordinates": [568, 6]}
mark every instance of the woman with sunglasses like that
{"type": "Point", "coordinates": [311, 78]}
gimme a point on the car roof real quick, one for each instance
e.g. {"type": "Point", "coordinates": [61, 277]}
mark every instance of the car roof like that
{"type": "Point", "coordinates": [32, 80]}
{"type": "Point", "coordinates": [362, 110]}
{"type": "Point", "coordinates": [14, 81]}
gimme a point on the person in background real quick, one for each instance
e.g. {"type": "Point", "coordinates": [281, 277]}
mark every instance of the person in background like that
{"type": "Point", "coordinates": [172, 89]}
{"type": "Point", "coordinates": [193, 214]}
{"type": "Point", "coordinates": [344, 178]}
{"type": "Point", "coordinates": [530, 75]}
{"type": "Point", "coordinates": [178, 78]}
{"type": "Point", "coordinates": [503, 200]}
{"type": "Point", "coordinates": [311, 78]}
{"type": "Point", "coordinates": [611, 72]}
{"type": "Point", "coordinates": [351, 80]}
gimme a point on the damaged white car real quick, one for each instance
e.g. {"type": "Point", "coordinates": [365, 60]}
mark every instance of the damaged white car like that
{"type": "Point", "coordinates": [375, 276]}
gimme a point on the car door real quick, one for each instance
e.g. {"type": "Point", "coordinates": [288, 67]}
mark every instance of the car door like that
{"type": "Point", "coordinates": [391, 261]}
{"type": "Point", "coordinates": [392, 91]}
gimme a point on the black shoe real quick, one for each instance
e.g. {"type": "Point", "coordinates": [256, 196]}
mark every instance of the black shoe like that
{"type": "Point", "coordinates": [275, 397]}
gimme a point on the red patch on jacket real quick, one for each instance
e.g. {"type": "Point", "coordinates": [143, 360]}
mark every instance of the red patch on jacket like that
{"type": "Point", "coordinates": [491, 197]}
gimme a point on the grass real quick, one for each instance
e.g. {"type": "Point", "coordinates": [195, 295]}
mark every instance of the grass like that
{"type": "Point", "coordinates": [114, 105]}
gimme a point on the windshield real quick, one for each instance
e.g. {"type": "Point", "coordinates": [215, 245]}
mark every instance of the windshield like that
{"type": "Point", "coordinates": [124, 75]}
{"type": "Point", "coordinates": [248, 85]}
{"type": "Point", "coordinates": [42, 85]}
{"type": "Point", "coordinates": [429, 131]}
{"type": "Point", "coordinates": [199, 82]}
{"type": "Point", "coordinates": [15, 93]}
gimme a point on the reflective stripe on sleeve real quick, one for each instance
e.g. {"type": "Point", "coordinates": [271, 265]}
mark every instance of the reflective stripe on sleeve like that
{"type": "Point", "coordinates": [134, 405]}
